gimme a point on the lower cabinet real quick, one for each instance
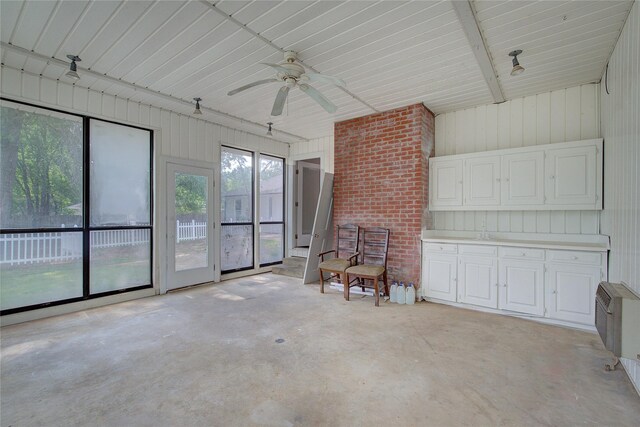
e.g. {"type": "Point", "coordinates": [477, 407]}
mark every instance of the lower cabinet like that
{"type": "Point", "coordinates": [556, 284]}
{"type": "Point", "coordinates": [440, 276]}
{"type": "Point", "coordinates": [478, 283]}
{"type": "Point", "coordinates": [570, 292]}
{"type": "Point", "coordinates": [521, 286]}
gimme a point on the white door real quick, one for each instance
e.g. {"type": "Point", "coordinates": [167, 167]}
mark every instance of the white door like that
{"type": "Point", "coordinates": [439, 276]}
{"type": "Point", "coordinates": [522, 179]}
{"type": "Point", "coordinates": [521, 286]}
{"type": "Point", "coordinates": [571, 176]}
{"type": "Point", "coordinates": [482, 181]}
{"type": "Point", "coordinates": [446, 180]}
{"type": "Point", "coordinates": [571, 292]}
{"type": "Point", "coordinates": [308, 175]}
{"type": "Point", "coordinates": [478, 281]}
{"type": "Point", "coordinates": [189, 225]}
{"type": "Point", "coordinates": [322, 237]}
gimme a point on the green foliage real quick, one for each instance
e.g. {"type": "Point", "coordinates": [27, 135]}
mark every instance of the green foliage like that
{"type": "Point", "coordinates": [191, 194]}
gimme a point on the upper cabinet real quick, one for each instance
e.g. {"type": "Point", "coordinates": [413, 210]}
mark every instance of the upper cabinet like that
{"type": "Point", "coordinates": [562, 176]}
{"type": "Point", "coordinates": [571, 176]}
{"type": "Point", "coordinates": [446, 183]}
{"type": "Point", "coordinates": [482, 181]}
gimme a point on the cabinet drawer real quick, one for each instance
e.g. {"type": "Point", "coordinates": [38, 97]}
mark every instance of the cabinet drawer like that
{"type": "Point", "coordinates": [478, 250]}
{"type": "Point", "coordinates": [441, 248]}
{"type": "Point", "coordinates": [522, 253]}
{"type": "Point", "coordinates": [575, 257]}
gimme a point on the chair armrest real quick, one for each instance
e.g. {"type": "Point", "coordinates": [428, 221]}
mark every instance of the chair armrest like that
{"type": "Point", "coordinates": [353, 259]}
{"type": "Point", "coordinates": [322, 254]}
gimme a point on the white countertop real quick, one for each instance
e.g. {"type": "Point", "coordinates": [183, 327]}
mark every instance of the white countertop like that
{"type": "Point", "coordinates": [595, 243]}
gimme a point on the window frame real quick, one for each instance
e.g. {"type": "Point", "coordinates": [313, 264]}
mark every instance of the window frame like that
{"type": "Point", "coordinates": [282, 222]}
{"type": "Point", "coordinates": [86, 211]}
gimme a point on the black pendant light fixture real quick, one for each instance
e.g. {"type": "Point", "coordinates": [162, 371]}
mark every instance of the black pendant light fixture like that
{"type": "Point", "coordinates": [73, 67]}
{"type": "Point", "coordinates": [269, 130]}
{"type": "Point", "coordinates": [517, 68]}
{"type": "Point", "coordinates": [197, 111]}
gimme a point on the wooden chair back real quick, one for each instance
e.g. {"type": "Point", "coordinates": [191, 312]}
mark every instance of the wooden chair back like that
{"type": "Point", "coordinates": [375, 246]}
{"type": "Point", "coordinates": [348, 240]}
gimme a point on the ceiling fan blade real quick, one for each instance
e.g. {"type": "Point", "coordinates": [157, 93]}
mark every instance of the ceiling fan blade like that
{"type": "Point", "coordinates": [319, 98]}
{"type": "Point", "coordinates": [323, 78]}
{"type": "Point", "coordinates": [250, 85]}
{"type": "Point", "coordinates": [281, 97]}
{"type": "Point", "coordinates": [277, 67]}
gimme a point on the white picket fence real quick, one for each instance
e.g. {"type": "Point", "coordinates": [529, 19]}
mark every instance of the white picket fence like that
{"type": "Point", "coordinates": [31, 248]}
{"type": "Point", "coordinates": [190, 230]}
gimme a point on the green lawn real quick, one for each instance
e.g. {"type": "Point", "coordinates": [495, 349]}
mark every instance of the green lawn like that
{"type": "Point", "coordinates": [38, 283]}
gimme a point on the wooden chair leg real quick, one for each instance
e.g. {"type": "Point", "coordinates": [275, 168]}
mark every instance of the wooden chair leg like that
{"type": "Point", "coordinates": [345, 285]}
{"type": "Point", "coordinates": [386, 283]}
{"type": "Point", "coordinates": [321, 282]}
{"type": "Point", "coordinates": [377, 291]}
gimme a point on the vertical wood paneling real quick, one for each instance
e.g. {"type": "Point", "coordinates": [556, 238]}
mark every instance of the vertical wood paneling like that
{"type": "Point", "coordinates": [620, 113]}
{"type": "Point", "coordinates": [558, 116]}
{"type": "Point", "coordinates": [323, 145]}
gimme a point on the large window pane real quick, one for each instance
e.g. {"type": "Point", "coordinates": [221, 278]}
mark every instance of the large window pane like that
{"type": "Point", "coordinates": [119, 259]}
{"type": "Point", "coordinates": [237, 247]}
{"type": "Point", "coordinates": [120, 175]}
{"type": "Point", "coordinates": [237, 182]}
{"type": "Point", "coordinates": [40, 168]}
{"type": "Point", "coordinates": [191, 221]}
{"type": "Point", "coordinates": [271, 243]}
{"type": "Point", "coordinates": [39, 267]}
{"type": "Point", "coordinates": [271, 189]}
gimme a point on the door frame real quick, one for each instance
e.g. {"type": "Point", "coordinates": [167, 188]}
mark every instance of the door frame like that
{"type": "Point", "coordinates": [291, 223]}
{"type": "Point", "coordinates": [300, 196]}
{"type": "Point", "coordinates": [162, 267]}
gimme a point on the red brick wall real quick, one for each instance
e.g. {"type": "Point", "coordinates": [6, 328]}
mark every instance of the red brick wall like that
{"type": "Point", "coordinates": [381, 180]}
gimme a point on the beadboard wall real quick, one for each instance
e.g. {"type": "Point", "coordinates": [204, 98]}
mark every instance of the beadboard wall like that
{"type": "Point", "coordinates": [322, 145]}
{"type": "Point", "coordinates": [179, 135]}
{"type": "Point", "coordinates": [620, 112]}
{"type": "Point", "coordinates": [562, 115]}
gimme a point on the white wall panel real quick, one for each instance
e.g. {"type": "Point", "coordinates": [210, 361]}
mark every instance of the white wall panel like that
{"type": "Point", "coordinates": [620, 113]}
{"type": "Point", "coordinates": [563, 115]}
{"type": "Point", "coordinates": [323, 145]}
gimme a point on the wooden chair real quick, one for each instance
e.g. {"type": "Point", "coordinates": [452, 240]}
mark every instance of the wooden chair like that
{"type": "Point", "coordinates": [346, 254]}
{"type": "Point", "coordinates": [375, 246]}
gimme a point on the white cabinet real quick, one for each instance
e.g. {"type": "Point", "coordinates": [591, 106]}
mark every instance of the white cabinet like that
{"type": "Point", "coordinates": [571, 176]}
{"type": "Point", "coordinates": [478, 283]}
{"type": "Point", "coordinates": [571, 290]}
{"type": "Point", "coordinates": [482, 181]}
{"type": "Point", "coordinates": [445, 183]}
{"type": "Point", "coordinates": [522, 179]}
{"type": "Point", "coordinates": [521, 286]}
{"type": "Point", "coordinates": [439, 276]}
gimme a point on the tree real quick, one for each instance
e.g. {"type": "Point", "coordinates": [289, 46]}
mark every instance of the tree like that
{"type": "Point", "coordinates": [191, 194]}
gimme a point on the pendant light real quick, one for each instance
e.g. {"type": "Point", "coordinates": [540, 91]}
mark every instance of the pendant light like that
{"type": "Point", "coordinates": [197, 110]}
{"type": "Point", "coordinates": [517, 68]}
{"type": "Point", "coordinates": [269, 131]}
{"type": "Point", "coordinates": [73, 67]}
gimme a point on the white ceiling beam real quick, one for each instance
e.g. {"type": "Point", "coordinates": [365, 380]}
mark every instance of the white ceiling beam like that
{"type": "Point", "coordinates": [467, 18]}
{"type": "Point", "coordinates": [244, 124]}
{"type": "Point", "coordinates": [278, 48]}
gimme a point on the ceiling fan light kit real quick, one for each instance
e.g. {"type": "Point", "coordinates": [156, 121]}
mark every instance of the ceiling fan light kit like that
{"type": "Point", "coordinates": [293, 74]}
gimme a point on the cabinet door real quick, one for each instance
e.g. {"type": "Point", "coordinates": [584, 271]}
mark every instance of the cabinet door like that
{"type": "Point", "coordinates": [482, 181]}
{"type": "Point", "coordinates": [478, 281]}
{"type": "Point", "coordinates": [439, 276]}
{"type": "Point", "coordinates": [523, 179]}
{"type": "Point", "coordinates": [521, 286]}
{"type": "Point", "coordinates": [446, 183]}
{"type": "Point", "coordinates": [571, 176]}
{"type": "Point", "coordinates": [571, 292]}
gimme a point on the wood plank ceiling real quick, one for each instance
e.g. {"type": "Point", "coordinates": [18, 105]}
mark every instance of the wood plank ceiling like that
{"type": "Point", "coordinates": [390, 53]}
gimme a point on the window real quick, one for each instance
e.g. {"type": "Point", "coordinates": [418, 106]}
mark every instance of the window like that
{"type": "Point", "coordinates": [237, 217]}
{"type": "Point", "coordinates": [75, 212]}
{"type": "Point", "coordinates": [271, 210]}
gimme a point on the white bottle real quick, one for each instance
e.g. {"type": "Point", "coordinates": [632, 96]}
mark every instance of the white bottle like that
{"type": "Point", "coordinates": [411, 294]}
{"type": "Point", "coordinates": [400, 295]}
{"type": "Point", "coordinates": [393, 292]}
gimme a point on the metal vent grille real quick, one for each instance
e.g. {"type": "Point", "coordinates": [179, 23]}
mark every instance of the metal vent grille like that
{"type": "Point", "coordinates": [603, 296]}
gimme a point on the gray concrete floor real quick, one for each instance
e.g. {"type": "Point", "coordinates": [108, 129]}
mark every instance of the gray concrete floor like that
{"type": "Point", "coordinates": [208, 356]}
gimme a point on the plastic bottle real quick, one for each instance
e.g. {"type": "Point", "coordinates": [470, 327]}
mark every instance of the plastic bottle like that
{"type": "Point", "coordinates": [393, 292]}
{"type": "Point", "coordinates": [400, 295]}
{"type": "Point", "coordinates": [410, 294]}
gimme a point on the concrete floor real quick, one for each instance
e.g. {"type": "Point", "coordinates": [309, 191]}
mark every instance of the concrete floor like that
{"type": "Point", "coordinates": [208, 356]}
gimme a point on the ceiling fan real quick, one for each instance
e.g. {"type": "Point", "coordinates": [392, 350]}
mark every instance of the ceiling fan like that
{"type": "Point", "coordinates": [293, 74]}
